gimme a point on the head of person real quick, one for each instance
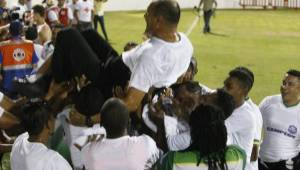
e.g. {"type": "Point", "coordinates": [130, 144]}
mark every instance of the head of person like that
{"type": "Point", "coordinates": [88, 103]}
{"type": "Point", "coordinates": [130, 45]}
{"type": "Point", "coordinates": [207, 122]}
{"type": "Point", "coordinates": [61, 3]}
{"type": "Point", "coordinates": [49, 3]}
{"type": "Point", "coordinates": [188, 95]}
{"type": "Point", "coordinates": [15, 28]}
{"type": "Point", "coordinates": [31, 33]}
{"type": "Point", "coordinates": [74, 1]}
{"type": "Point", "coordinates": [114, 118]}
{"type": "Point", "coordinates": [38, 12]}
{"type": "Point", "coordinates": [162, 16]}
{"type": "Point", "coordinates": [22, 2]}
{"type": "Point", "coordinates": [37, 120]}
{"type": "Point", "coordinates": [221, 99]}
{"type": "Point", "coordinates": [290, 88]}
{"type": "Point", "coordinates": [239, 83]}
{"type": "Point", "coordinates": [3, 3]}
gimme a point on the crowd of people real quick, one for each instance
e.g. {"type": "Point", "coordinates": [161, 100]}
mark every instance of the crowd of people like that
{"type": "Point", "coordinates": [69, 100]}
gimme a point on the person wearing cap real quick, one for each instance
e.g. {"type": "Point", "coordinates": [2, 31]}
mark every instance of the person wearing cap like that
{"type": "Point", "coordinates": [17, 58]}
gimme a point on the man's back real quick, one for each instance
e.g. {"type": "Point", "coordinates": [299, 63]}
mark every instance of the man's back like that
{"type": "Point", "coordinates": [241, 128]}
{"type": "Point", "coordinates": [235, 159]}
{"type": "Point", "coordinates": [17, 59]}
{"type": "Point", "coordinates": [127, 153]}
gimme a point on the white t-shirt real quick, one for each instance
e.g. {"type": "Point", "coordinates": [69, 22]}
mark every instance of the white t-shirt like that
{"type": "Point", "coordinates": [281, 126]}
{"type": "Point", "coordinates": [52, 15]}
{"type": "Point", "coordinates": [257, 137]}
{"type": "Point", "coordinates": [71, 134]}
{"type": "Point", "coordinates": [241, 129]}
{"type": "Point", "coordinates": [126, 153]}
{"type": "Point", "coordinates": [22, 9]}
{"type": "Point", "coordinates": [38, 50]}
{"type": "Point", "coordinates": [158, 63]}
{"type": "Point", "coordinates": [84, 10]}
{"type": "Point", "coordinates": [27, 155]}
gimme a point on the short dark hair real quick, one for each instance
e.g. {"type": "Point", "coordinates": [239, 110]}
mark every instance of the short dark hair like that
{"type": "Point", "coordinates": [31, 33]}
{"type": "Point", "coordinates": [242, 74]}
{"type": "Point", "coordinates": [114, 117]}
{"type": "Point", "coordinates": [190, 86]}
{"type": "Point", "coordinates": [16, 28]}
{"type": "Point", "coordinates": [225, 102]}
{"type": "Point", "coordinates": [88, 102]}
{"type": "Point", "coordinates": [39, 9]}
{"type": "Point", "coordinates": [168, 9]}
{"type": "Point", "coordinates": [35, 116]}
{"type": "Point", "coordinates": [207, 122]}
{"type": "Point", "coordinates": [293, 72]}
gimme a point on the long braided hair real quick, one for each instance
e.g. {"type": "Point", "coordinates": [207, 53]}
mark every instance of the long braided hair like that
{"type": "Point", "coordinates": [209, 136]}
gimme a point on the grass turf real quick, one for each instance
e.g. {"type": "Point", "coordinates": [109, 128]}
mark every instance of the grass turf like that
{"type": "Point", "coordinates": [266, 41]}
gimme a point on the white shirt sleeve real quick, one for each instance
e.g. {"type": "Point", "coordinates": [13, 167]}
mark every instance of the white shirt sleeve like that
{"type": "Point", "coordinates": [1, 96]}
{"type": "Point", "coordinates": [70, 14]}
{"type": "Point", "coordinates": [1, 111]}
{"type": "Point", "coordinates": [179, 142]}
{"type": "Point", "coordinates": [52, 16]}
{"type": "Point", "coordinates": [142, 75]}
{"type": "Point", "coordinates": [59, 163]}
{"type": "Point", "coordinates": [263, 104]}
{"type": "Point", "coordinates": [153, 152]}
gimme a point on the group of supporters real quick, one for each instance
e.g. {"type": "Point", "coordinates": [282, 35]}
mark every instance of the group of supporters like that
{"type": "Point", "coordinates": [77, 104]}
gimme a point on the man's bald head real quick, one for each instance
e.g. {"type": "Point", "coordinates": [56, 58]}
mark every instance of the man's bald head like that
{"type": "Point", "coordinates": [168, 9]}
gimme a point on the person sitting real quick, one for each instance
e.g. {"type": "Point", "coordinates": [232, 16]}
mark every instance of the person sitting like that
{"type": "Point", "coordinates": [208, 148]}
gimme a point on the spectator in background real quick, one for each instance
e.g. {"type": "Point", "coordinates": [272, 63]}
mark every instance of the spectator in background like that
{"type": "Point", "coordinates": [17, 58]}
{"type": "Point", "coordinates": [208, 11]}
{"type": "Point", "coordinates": [84, 14]}
{"type": "Point", "coordinates": [65, 14]}
{"type": "Point", "coordinates": [44, 31]}
{"type": "Point", "coordinates": [21, 8]}
{"type": "Point", "coordinates": [51, 14]}
{"type": "Point", "coordinates": [99, 16]}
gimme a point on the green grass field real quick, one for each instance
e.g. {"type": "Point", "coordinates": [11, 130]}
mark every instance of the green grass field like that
{"type": "Point", "coordinates": [266, 41]}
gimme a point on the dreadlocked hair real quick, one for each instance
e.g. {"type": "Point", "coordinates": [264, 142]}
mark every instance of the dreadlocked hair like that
{"type": "Point", "coordinates": [207, 122]}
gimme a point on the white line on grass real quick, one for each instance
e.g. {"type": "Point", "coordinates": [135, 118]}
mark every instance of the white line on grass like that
{"type": "Point", "coordinates": [191, 28]}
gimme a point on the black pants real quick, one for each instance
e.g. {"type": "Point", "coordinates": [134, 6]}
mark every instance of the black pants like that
{"type": "Point", "coordinates": [87, 53]}
{"type": "Point", "coordinates": [100, 19]}
{"type": "Point", "coordinates": [207, 15]}
{"type": "Point", "coordinates": [271, 166]}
